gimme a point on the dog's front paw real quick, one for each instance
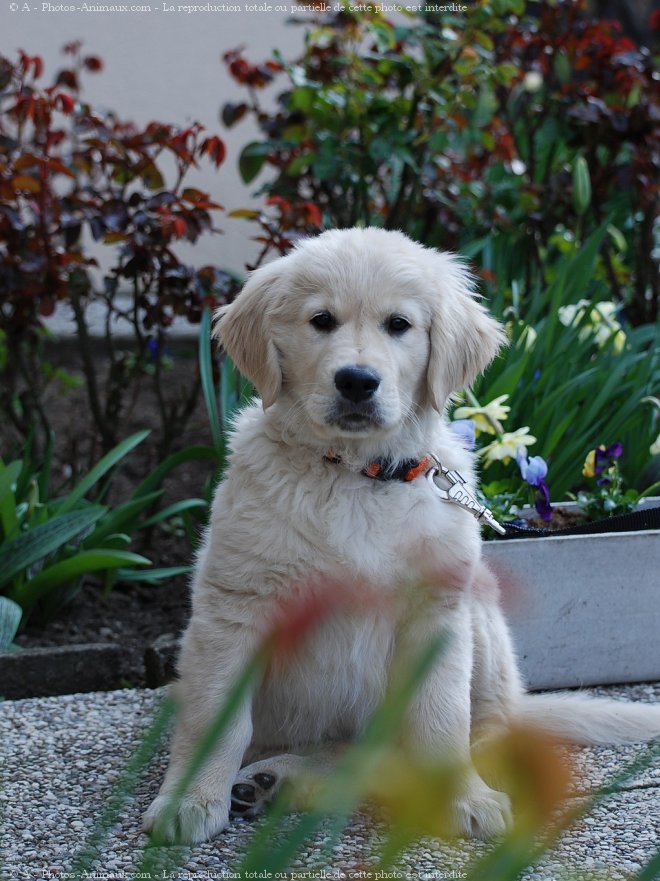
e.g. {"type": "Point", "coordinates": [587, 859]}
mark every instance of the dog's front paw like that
{"type": "Point", "coordinates": [194, 820]}
{"type": "Point", "coordinates": [482, 812]}
{"type": "Point", "coordinates": [254, 789]}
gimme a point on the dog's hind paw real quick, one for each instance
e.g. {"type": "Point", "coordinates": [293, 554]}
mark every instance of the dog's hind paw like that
{"type": "Point", "coordinates": [193, 821]}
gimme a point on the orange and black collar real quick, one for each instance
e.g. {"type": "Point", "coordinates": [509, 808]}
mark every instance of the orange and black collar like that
{"type": "Point", "coordinates": [386, 469]}
{"type": "Point", "coordinates": [449, 484]}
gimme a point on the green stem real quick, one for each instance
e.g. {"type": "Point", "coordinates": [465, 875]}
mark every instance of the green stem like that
{"type": "Point", "coordinates": [648, 491]}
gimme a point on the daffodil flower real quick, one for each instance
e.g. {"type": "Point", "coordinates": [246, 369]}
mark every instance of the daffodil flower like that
{"type": "Point", "coordinates": [487, 417]}
{"type": "Point", "coordinates": [601, 322]}
{"type": "Point", "coordinates": [506, 446]}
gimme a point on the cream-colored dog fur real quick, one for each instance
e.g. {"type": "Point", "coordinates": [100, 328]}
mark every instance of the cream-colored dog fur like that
{"type": "Point", "coordinates": [284, 517]}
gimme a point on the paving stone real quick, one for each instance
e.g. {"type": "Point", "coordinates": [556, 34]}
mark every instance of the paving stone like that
{"type": "Point", "coordinates": [62, 756]}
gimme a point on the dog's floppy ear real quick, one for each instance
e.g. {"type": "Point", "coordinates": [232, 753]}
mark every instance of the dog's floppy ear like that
{"type": "Point", "coordinates": [464, 337]}
{"type": "Point", "coordinates": [243, 329]}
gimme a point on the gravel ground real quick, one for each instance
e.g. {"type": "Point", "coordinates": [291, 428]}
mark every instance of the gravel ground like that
{"type": "Point", "coordinates": [62, 756]}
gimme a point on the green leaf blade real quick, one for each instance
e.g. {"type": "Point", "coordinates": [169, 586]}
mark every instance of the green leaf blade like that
{"type": "Point", "coordinates": [100, 469]}
{"type": "Point", "coordinates": [84, 563]}
{"type": "Point", "coordinates": [10, 619]}
{"type": "Point", "coordinates": [28, 548]}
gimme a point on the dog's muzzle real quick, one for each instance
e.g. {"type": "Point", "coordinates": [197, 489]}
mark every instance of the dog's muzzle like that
{"type": "Point", "coordinates": [355, 407]}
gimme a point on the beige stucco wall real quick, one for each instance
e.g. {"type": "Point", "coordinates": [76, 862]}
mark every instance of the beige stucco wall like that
{"type": "Point", "coordinates": [166, 66]}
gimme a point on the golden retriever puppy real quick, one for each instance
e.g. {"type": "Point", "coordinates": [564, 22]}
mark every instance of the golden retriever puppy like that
{"type": "Point", "coordinates": [354, 341]}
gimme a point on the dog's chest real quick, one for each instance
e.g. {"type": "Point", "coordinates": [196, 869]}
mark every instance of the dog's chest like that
{"type": "Point", "coordinates": [374, 525]}
{"type": "Point", "coordinates": [380, 530]}
{"type": "Point", "coordinates": [283, 515]}
{"type": "Point", "coordinates": [331, 686]}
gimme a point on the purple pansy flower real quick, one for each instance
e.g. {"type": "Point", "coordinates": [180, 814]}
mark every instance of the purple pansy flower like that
{"type": "Point", "coordinates": [465, 430]}
{"type": "Point", "coordinates": [604, 458]}
{"type": "Point", "coordinates": [542, 503]}
{"type": "Point", "coordinates": [534, 471]}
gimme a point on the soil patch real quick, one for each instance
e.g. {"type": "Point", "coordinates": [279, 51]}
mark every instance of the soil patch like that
{"type": "Point", "coordinates": [131, 615]}
{"type": "Point", "coordinates": [562, 518]}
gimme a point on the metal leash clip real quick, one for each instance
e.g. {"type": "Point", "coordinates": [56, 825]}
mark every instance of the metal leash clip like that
{"type": "Point", "coordinates": [458, 493]}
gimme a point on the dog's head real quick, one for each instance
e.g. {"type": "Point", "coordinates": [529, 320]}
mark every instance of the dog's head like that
{"type": "Point", "coordinates": [360, 328]}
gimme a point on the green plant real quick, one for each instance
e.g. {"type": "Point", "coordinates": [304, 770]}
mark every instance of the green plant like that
{"type": "Point", "coordinates": [501, 135]}
{"type": "Point", "coordinates": [569, 385]}
{"type": "Point", "coordinates": [50, 542]}
{"type": "Point", "coordinates": [224, 390]}
{"type": "Point", "coordinates": [509, 130]}
{"type": "Point", "coordinates": [606, 494]}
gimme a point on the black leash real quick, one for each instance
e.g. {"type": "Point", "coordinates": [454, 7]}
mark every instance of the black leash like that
{"type": "Point", "coordinates": [637, 520]}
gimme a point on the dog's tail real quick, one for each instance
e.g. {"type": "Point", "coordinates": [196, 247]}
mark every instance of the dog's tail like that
{"type": "Point", "coordinates": [590, 720]}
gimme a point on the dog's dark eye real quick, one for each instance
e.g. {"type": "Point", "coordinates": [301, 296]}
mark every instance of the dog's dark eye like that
{"type": "Point", "coordinates": [324, 321]}
{"type": "Point", "coordinates": [397, 325]}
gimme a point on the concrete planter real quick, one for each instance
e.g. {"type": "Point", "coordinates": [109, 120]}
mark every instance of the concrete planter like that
{"type": "Point", "coordinates": [584, 609]}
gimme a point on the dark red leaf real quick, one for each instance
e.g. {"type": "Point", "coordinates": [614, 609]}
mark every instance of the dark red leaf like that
{"type": "Point", "coordinates": [27, 160]}
{"type": "Point", "coordinates": [239, 69]}
{"type": "Point", "coordinates": [231, 113]}
{"type": "Point", "coordinates": [26, 183]}
{"type": "Point", "coordinates": [65, 103]}
{"type": "Point", "coordinates": [312, 214]}
{"type": "Point", "coordinates": [57, 166]}
{"type": "Point", "coordinates": [180, 227]}
{"type": "Point", "coordinates": [93, 63]}
{"type": "Point", "coordinates": [215, 149]}
{"type": "Point", "coordinates": [47, 306]}
{"type": "Point", "coordinates": [67, 78]}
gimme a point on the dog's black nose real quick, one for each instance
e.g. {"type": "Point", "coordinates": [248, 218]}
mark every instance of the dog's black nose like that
{"type": "Point", "coordinates": [357, 383]}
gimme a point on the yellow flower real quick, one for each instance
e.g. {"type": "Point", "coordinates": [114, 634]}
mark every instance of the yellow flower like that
{"type": "Point", "coordinates": [528, 337]}
{"type": "Point", "coordinates": [619, 342]}
{"type": "Point", "coordinates": [601, 322]}
{"type": "Point", "coordinates": [572, 313]}
{"type": "Point", "coordinates": [505, 447]}
{"type": "Point", "coordinates": [485, 418]}
{"type": "Point", "coordinates": [532, 81]}
{"type": "Point", "coordinates": [417, 795]}
{"type": "Point", "coordinates": [589, 467]}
